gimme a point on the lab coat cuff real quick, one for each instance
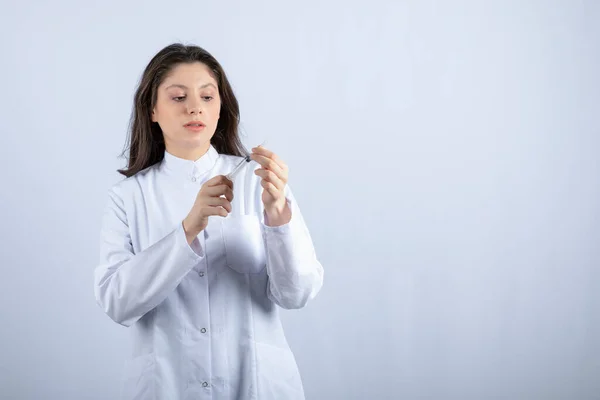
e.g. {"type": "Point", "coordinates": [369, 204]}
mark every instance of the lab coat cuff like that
{"type": "Point", "coordinates": [281, 229]}
{"type": "Point", "coordinates": [194, 250]}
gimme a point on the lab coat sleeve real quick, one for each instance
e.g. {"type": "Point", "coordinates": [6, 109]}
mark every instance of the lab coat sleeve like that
{"type": "Point", "coordinates": [295, 275]}
{"type": "Point", "coordinates": [128, 285]}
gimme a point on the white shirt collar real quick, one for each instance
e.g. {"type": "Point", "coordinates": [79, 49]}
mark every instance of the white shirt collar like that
{"type": "Point", "coordinates": [191, 168]}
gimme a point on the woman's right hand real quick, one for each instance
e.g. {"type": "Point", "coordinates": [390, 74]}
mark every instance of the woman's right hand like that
{"type": "Point", "coordinates": [208, 203]}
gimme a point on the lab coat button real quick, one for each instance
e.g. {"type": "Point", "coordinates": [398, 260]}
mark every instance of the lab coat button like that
{"type": "Point", "coordinates": [205, 384]}
{"type": "Point", "coordinates": [201, 273]}
{"type": "Point", "coordinates": [193, 179]}
{"type": "Point", "coordinates": [203, 330]}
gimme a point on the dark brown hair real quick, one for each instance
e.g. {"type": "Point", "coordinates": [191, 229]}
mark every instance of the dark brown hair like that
{"type": "Point", "coordinates": [145, 141]}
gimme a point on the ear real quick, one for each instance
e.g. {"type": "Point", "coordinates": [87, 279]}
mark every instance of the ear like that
{"type": "Point", "coordinates": [153, 116]}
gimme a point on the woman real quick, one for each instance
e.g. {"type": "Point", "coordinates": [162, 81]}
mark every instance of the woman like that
{"type": "Point", "coordinates": [195, 263]}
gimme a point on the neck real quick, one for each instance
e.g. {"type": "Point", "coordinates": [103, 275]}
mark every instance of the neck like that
{"type": "Point", "coordinates": [188, 153]}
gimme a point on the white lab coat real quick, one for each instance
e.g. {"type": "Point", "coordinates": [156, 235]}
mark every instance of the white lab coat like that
{"type": "Point", "coordinates": [204, 317]}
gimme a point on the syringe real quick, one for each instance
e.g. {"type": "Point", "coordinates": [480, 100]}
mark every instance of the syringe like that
{"type": "Point", "coordinates": [238, 167]}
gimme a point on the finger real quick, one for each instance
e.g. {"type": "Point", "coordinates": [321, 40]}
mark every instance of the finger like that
{"type": "Point", "coordinates": [219, 202]}
{"type": "Point", "coordinates": [216, 191]}
{"type": "Point", "coordinates": [262, 151]}
{"type": "Point", "coordinates": [219, 180]}
{"type": "Point", "coordinates": [215, 180]}
{"type": "Point", "coordinates": [271, 165]}
{"type": "Point", "coordinates": [226, 191]}
{"type": "Point", "coordinates": [228, 194]}
{"type": "Point", "coordinates": [215, 211]}
{"type": "Point", "coordinates": [269, 187]}
{"type": "Point", "coordinates": [270, 176]}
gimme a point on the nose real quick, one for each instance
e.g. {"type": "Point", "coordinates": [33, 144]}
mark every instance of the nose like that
{"type": "Point", "coordinates": [194, 110]}
{"type": "Point", "coordinates": [194, 106]}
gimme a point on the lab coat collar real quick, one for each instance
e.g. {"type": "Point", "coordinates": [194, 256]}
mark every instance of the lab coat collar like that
{"type": "Point", "coordinates": [191, 168]}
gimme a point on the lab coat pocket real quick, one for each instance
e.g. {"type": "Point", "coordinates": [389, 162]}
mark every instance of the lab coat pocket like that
{"type": "Point", "coordinates": [278, 374]}
{"type": "Point", "coordinates": [244, 245]}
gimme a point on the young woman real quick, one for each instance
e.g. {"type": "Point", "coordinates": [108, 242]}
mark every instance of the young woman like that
{"type": "Point", "coordinates": [198, 264]}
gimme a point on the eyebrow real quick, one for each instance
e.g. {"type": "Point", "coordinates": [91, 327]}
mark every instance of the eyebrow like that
{"type": "Point", "coordinates": [185, 87]}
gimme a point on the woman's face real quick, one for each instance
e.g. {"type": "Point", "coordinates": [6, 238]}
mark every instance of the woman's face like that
{"type": "Point", "coordinates": [189, 93]}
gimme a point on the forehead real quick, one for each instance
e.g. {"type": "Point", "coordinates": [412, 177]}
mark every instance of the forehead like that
{"type": "Point", "coordinates": [191, 75]}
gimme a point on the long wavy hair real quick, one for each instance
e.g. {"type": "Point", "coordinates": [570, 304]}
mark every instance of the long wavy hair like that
{"type": "Point", "coordinates": [145, 142]}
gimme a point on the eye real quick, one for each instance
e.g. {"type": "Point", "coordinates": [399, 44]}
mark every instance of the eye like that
{"type": "Point", "coordinates": [179, 98]}
{"type": "Point", "coordinates": [208, 97]}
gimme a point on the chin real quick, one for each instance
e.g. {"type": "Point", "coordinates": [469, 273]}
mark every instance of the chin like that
{"type": "Point", "coordinates": [198, 140]}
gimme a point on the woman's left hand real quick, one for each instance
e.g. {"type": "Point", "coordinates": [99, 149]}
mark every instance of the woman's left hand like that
{"type": "Point", "coordinates": [274, 177]}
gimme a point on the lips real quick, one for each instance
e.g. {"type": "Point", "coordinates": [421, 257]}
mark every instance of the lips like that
{"type": "Point", "coordinates": [195, 126]}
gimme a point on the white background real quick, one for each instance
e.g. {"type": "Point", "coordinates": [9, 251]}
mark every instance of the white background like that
{"type": "Point", "coordinates": [444, 154]}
